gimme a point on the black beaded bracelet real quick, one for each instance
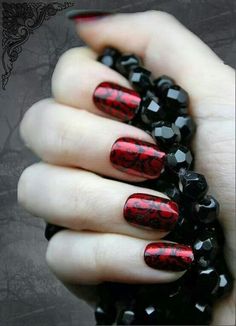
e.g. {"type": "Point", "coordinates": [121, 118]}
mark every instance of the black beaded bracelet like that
{"type": "Point", "coordinates": [163, 113]}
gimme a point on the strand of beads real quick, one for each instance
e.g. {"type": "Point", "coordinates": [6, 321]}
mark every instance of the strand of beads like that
{"type": "Point", "coordinates": [163, 113]}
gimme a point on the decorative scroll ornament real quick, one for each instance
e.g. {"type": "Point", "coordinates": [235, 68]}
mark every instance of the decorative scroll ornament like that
{"type": "Point", "coordinates": [19, 21]}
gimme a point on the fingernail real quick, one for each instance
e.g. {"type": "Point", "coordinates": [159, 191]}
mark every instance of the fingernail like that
{"type": "Point", "coordinates": [168, 256]}
{"type": "Point", "coordinates": [151, 211]}
{"type": "Point", "coordinates": [118, 101]}
{"type": "Point", "coordinates": [137, 157]}
{"type": "Point", "coordinates": [81, 16]}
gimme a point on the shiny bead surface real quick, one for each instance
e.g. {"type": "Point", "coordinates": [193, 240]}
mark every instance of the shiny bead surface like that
{"type": "Point", "coordinates": [109, 57]}
{"type": "Point", "coordinates": [186, 126]}
{"type": "Point", "coordinates": [207, 210]}
{"type": "Point", "coordinates": [127, 62]}
{"type": "Point", "coordinates": [176, 98]}
{"type": "Point", "coordinates": [165, 133]}
{"type": "Point", "coordinates": [205, 249]}
{"type": "Point", "coordinates": [162, 84]}
{"type": "Point", "coordinates": [126, 317]}
{"type": "Point", "coordinates": [207, 282]}
{"type": "Point", "coordinates": [225, 285]}
{"type": "Point", "coordinates": [179, 157]}
{"type": "Point", "coordinates": [201, 314]}
{"type": "Point", "coordinates": [151, 111]}
{"type": "Point", "coordinates": [140, 79]}
{"type": "Point", "coordinates": [193, 185]}
{"type": "Point", "coordinates": [152, 315]}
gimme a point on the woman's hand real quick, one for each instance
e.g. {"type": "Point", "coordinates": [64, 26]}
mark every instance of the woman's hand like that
{"type": "Point", "coordinates": [74, 139]}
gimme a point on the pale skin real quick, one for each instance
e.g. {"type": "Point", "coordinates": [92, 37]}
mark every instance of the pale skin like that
{"type": "Point", "coordinates": [73, 140]}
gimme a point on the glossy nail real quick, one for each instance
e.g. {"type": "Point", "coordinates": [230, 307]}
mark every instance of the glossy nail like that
{"type": "Point", "coordinates": [80, 16]}
{"type": "Point", "coordinates": [151, 211]}
{"type": "Point", "coordinates": [118, 101]}
{"type": "Point", "coordinates": [137, 157]}
{"type": "Point", "coordinates": [168, 256]}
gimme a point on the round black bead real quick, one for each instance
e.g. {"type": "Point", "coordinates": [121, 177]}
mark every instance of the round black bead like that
{"type": "Point", "coordinates": [109, 57]}
{"type": "Point", "coordinates": [176, 98]}
{"type": "Point", "coordinates": [179, 157]}
{"type": "Point", "coordinates": [186, 126]}
{"type": "Point", "coordinates": [151, 111]}
{"type": "Point", "coordinates": [205, 249]}
{"type": "Point", "coordinates": [126, 317]}
{"type": "Point", "coordinates": [193, 185]}
{"type": "Point", "coordinates": [51, 230]}
{"type": "Point", "coordinates": [165, 133]}
{"type": "Point", "coordinates": [207, 210]}
{"type": "Point", "coordinates": [207, 283]}
{"type": "Point", "coordinates": [125, 63]}
{"type": "Point", "coordinates": [162, 84]}
{"type": "Point", "coordinates": [140, 79]}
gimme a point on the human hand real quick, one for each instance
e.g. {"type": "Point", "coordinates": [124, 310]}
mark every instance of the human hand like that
{"type": "Point", "coordinates": [71, 135]}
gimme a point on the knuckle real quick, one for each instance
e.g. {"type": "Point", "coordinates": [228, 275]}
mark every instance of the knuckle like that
{"type": "Point", "coordinates": [161, 15]}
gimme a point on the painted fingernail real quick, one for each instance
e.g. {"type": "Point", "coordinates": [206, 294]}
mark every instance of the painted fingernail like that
{"type": "Point", "coordinates": [151, 211]}
{"type": "Point", "coordinates": [118, 101]}
{"type": "Point", "coordinates": [80, 16]}
{"type": "Point", "coordinates": [137, 157]}
{"type": "Point", "coordinates": [168, 256]}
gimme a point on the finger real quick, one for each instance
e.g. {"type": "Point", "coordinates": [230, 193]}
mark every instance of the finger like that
{"type": "Point", "coordinates": [78, 81]}
{"type": "Point", "coordinates": [91, 258]}
{"type": "Point", "coordinates": [66, 136]}
{"type": "Point", "coordinates": [89, 202]}
{"type": "Point", "coordinates": [165, 46]}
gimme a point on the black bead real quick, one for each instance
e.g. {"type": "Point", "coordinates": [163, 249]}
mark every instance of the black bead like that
{"type": "Point", "coordinates": [186, 126]}
{"type": "Point", "coordinates": [109, 57]}
{"type": "Point", "coordinates": [193, 185]}
{"type": "Point", "coordinates": [126, 63]}
{"type": "Point", "coordinates": [207, 210]}
{"type": "Point", "coordinates": [51, 230]}
{"type": "Point", "coordinates": [225, 285]}
{"type": "Point", "coordinates": [126, 317]}
{"type": "Point", "coordinates": [105, 314]}
{"type": "Point", "coordinates": [167, 188]}
{"type": "Point", "coordinates": [161, 85]}
{"type": "Point", "coordinates": [176, 98]}
{"type": "Point", "coordinates": [165, 133]}
{"type": "Point", "coordinates": [151, 315]}
{"type": "Point", "coordinates": [207, 283]}
{"type": "Point", "coordinates": [140, 79]}
{"type": "Point", "coordinates": [205, 249]}
{"type": "Point", "coordinates": [201, 313]}
{"type": "Point", "coordinates": [151, 111]}
{"type": "Point", "coordinates": [179, 157]}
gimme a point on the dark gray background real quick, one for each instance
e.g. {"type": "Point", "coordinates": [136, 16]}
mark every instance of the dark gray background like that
{"type": "Point", "coordinates": [29, 293]}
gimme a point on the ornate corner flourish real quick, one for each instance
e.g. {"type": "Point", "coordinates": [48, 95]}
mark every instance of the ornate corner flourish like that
{"type": "Point", "coordinates": [19, 21]}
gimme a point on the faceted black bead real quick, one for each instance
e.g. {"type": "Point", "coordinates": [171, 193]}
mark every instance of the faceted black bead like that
{"type": "Point", "coordinates": [109, 57]}
{"type": "Point", "coordinates": [205, 249]}
{"type": "Point", "coordinates": [179, 157]}
{"type": "Point", "coordinates": [151, 111]}
{"type": "Point", "coordinates": [51, 230]}
{"type": "Point", "coordinates": [105, 314]}
{"type": "Point", "coordinates": [126, 317]}
{"type": "Point", "coordinates": [193, 185]}
{"type": "Point", "coordinates": [151, 315]}
{"type": "Point", "coordinates": [176, 98]}
{"type": "Point", "coordinates": [162, 84]}
{"type": "Point", "coordinates": [167, 188]}
{"type": "Point", "coordinates": [165, 133]}
{"type": "Point", "coordinates": [186, 126]}
{"type": "Point", "coordinates": [207, 210]}
{"type": "Point", "coordinates": [225, 285]}
{"type": "Point", "coordinates": [207, 283]}
{"type": "Point", "coordinates": [201, 313]}
{"type": "Point", "coordinates": [126, 63]}
{"type": "Point", "coordinates": [140, 79]}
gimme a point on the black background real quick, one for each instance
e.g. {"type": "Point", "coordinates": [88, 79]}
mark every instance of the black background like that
{"type": "Point", "coordinates": [29, 293]}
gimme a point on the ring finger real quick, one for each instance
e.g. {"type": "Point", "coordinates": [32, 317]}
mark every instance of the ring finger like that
{"type": "Point", "coordinates": [89, 202]}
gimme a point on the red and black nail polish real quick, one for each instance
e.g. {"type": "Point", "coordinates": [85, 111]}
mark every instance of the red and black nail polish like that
{"type": "Point", "coordinates": [137, 157]}
{"type": "Point", "coordinates": [81, 16]}
{"type": "Point", "coordinates": [151, 211]}
{"type": "Point", "coordinates": [168, 256]}
{"type": "Point", "coordinates": [118, 101]}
